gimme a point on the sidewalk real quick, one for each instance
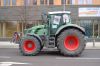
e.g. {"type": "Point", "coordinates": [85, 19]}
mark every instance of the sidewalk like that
{"type": "Point", "coordinates": [7, 44]}
{"type": "Point", "coordinates": [89, 45]}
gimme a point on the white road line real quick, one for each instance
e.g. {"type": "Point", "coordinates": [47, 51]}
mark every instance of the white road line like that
{"type": "Point", "coordinates": [11, 63]}
{"type": "Point", "coordinates": [4, 57]}
{"type": "Point", "coordinates": [59, 58]}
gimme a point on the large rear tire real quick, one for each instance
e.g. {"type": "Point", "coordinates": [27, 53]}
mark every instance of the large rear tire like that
{"type": "Point", "coordinates": [71, 42]}
{"type": "Point", "coordinates": [30, 46]}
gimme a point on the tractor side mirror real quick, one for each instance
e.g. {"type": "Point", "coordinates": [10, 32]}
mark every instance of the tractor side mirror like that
{"type": "Point", "coordinates": [44, 18]}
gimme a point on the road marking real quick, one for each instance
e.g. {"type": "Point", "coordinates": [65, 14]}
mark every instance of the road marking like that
{"type": "Point", "coordinates": [10, 63]}
{"type": "Point", "coordinates": [59, 58]}
{"type": "Point", "coordinates": [4, 57]}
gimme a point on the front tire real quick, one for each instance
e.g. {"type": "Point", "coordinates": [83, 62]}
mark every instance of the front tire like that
{"type": "Point", "coordinates": [30, 46]}
{"type": "Point", "coordinates": [71, 42]}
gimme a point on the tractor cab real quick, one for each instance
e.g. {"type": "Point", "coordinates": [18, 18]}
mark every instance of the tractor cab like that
{"type": "Point", "coordinates": [58, 19]}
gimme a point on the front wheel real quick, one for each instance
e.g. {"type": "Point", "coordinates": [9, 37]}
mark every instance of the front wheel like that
{"type": "Point", "coordinates": [71, 42]}
{"type": "Point", "coordinates": [30, 46]}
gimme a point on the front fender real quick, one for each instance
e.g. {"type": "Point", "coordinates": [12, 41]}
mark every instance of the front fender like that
{"type": "Point", "coordinates": [70, 26]}
{"type": "Point", "coordinates": [36, 36]}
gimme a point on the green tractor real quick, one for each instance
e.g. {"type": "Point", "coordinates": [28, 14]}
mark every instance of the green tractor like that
{"type": "Point", "coordinates": [57, 31]}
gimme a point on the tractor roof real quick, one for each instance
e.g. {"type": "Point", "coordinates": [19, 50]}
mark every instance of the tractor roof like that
{"type": "Point", "coordinates": [56, 12]}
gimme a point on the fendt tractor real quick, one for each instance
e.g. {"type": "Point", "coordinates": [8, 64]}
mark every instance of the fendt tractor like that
{"type": "Point", "coordinates": [56, 32]}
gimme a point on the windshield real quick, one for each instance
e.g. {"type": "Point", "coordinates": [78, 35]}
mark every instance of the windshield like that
{"type": "Point", "coordinates": [56, 19]}
{"type": "Point", "coordinates": [59, 19]}
{"type": "Point", "coordinates": [65, 18]}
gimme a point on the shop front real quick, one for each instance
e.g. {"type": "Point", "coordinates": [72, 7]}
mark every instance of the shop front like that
{"type": "Point", "coordinates": [89, 19]}
{"type": "Point", "coordinates": [92, 27]}
{"type": "Point", "coordinates": [7, 28]}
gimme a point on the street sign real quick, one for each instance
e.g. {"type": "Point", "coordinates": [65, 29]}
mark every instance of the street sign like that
{"type": "Point", "coordinates": [89, 12]}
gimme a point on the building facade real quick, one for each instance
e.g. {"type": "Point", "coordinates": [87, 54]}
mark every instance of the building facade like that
{"type": "Point", "coordinates": [17, 15]}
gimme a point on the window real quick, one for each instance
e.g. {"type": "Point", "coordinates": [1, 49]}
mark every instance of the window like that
{"type": "Point", "coordinates": [42, 2]}
{"type": "Point", "coordinates": [6, 2]}
{"type": "Point", "coordinates": [11, 27]}
{"type": "Point", "coordinates": [82, 2]}
{"type": "Point", "coordinates": [0, 2]}
{"type": "Point", "coordinates": [65, 18]}
{"type": "Point", "coordinates": [30, 2]}
{"type": "Point", "coordinates": [46, 1]}
{"type": "Point", "coordinates": [63, 1]}
{"type": "Point", "coordinates": [88, 26]}
{"type": "Point", "coordinates": [13, 2]}
{"type": "Point", "coordinates": [50, 2]}
{"type": "Point", "coordinates": [88, 1]}
{"type": "Point", "coordinates": [34, 2]}
{"type": "Point", "coordinates": [26, 2]}
{"type": "Point", "coordinates": [68, 1]}
{"type": "Point", "coordinates": [56, 19]}
{"type": "Point", "coordinates": [73, 2]}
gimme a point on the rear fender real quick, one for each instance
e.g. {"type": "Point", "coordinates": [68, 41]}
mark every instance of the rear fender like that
{"type": "Point", "coordinates": [70, 26]}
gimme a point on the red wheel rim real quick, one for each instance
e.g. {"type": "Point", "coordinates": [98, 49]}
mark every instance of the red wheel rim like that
{"type": "Point", "coordinates": [71, 43]}
{"type": "Point", "coordinates": [29, 46]}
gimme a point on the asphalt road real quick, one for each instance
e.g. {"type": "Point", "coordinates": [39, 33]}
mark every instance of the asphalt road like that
{"type": "Point", "coordinates": [12, 57]}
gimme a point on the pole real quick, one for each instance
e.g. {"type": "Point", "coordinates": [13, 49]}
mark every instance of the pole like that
{"type": "Point", "coordinates": [4, 29]}
{"type": "Point", "coordinates": [25, 13]}
{"type": "Point", "coordinates": [0, 29]}
{"type": "Point", "coordinates": [98, 30]}
{"type": "Point", "coordinates": [64, 5]}
{"type": "Point", "coordinates": [93, 36]}
{"type": "Point", "coordinates": [48, 2]}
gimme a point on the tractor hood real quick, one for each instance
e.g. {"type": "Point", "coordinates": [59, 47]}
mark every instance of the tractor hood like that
{"type": "Point", "coordinates": [33, 29]}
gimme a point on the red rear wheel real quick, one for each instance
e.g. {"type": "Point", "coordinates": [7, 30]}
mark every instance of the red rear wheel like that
{"type": "Point", "coordinates": [71, 42]}
{"type": "Point", "coordinates": [29, 45]}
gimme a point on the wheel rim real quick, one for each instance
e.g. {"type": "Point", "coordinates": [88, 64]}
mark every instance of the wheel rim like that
{"type": "Point", "coordinates": [29, 46]}
{"type": "Point", "coordinates": [71, 42]}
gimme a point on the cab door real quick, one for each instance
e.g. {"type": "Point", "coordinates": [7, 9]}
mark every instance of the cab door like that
{"type": "Point", "coordinates": [54, 23]}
